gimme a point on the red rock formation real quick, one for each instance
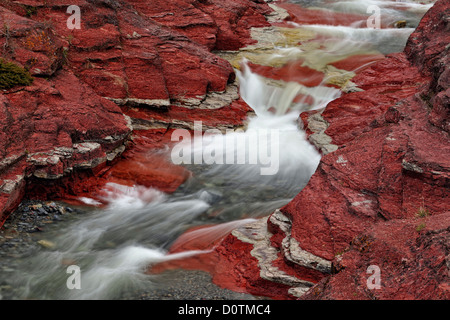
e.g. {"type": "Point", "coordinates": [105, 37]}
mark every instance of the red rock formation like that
{"type": "Point", "coordinates": [227, 258]}
{"type": "Point", "coordinates": [215, 24]}
{"type": "Point", "coordinates": [49, 130]}
{"type": "Point", "coordinates": [305, 16]}
{"type": "Point", "coordinates": [412, 257]}
{"type": "Point", "coordinates": [70, 126]}
{"type": "Point", "coordinates": [380, 199]}
{"type": "Point", "coordinates": [291, 71]}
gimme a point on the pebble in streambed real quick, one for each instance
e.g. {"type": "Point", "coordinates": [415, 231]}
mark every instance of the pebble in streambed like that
{"type": "Point", "coordinates": [24, 233]}
{"type": "Point", "coordinates": [25, 226]}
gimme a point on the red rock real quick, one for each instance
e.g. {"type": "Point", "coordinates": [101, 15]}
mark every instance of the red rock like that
{"type": "Point", "coordinates": [134, 54]}
{"type": "Point", "coordinates": [428, 43]}
{"type": "Point", "coordinates": [50, 129]}
{"type": "Point", "coordinates": [306, 16]}
{"type": "Point", "coordinates": [410, 255]}
{"type": "Point", "coordinates": [236, 270]}
{"type": "Point", "coordinates": [363, 200]}
{"type": "Point", "coordinates": [149, 171]}
{"type": "Point", "coordinates": [375, 175]}
{"type": "Point", "coordinates": [185, 16]}
{"type": "Point", "coordinates": [234, 20]}
{"type": "Point", "coordinates": [230, 263]}
{"type": "Point", "coordinates": [56, 125]}
{"type": "Point", "coordinates": [292, 71]}
{"type": "Point", "coordinates": [229, 116]}
{"type": "Point", "coordinates": [31, 44]}
{"type": "Point", "coordinates": [201, 239]}
{"type": "Point", "coordinates": [357, 63]}
{"type": "Point", "coordinates": [146, 168]}
{"type": "Point", "coordinates": [129, 56]}
{"type": "Point", "coordinates": [140, 164]}
{"type": "Point", "coordinates": [433, 60]}
{"type": "Point", "coordinates": [215, 24]}
{"type": "Point", "coordinates": [356, 112]}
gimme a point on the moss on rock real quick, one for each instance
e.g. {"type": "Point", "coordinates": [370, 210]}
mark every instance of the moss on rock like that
{"type": "Point", "coordinates": [12, 75]}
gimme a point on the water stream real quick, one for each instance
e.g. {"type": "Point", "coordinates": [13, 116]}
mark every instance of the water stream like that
{"type": "Point", "coordinates": [113, 246]}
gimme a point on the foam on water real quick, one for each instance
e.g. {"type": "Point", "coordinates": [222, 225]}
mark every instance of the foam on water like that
{"type": "Point", "coordinates": [112, 246]}
{"type": "Point", "coordinates": [281, 153]}
{"type": "Point", "coordinates": [113, 274]}
{"type": "Point", "coordinates": [347, 40]}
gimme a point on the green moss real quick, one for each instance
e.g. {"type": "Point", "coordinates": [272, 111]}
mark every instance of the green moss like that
{"type": "Point", "coordinates": [420, 227]}
{"type": "Point", "coordinates": [423, 212]}
{"type": "Point", "coordinates": [30, 11]}
{"type": "Point", "coordinates": [12, 75]}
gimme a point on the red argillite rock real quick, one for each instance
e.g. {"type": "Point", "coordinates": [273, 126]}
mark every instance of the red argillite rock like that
{"type": "Point", "coordinates": [380, 200]}
{"type": "Point", "coordinates": [153, 53]}
{"type": "Point", "coordinates": [305, 16]}
{"type": "Point", "coordinates": [125, 68]}
{"type": "Point", "coordinates": [399, 259]}
{"type": "Point", "coordinates": [219, 25]}
{"type": "Point", "coordinates": [52, 128]}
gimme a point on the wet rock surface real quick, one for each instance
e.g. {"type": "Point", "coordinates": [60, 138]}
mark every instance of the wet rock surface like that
{"type": "Point", "coordinates": [118, 86]}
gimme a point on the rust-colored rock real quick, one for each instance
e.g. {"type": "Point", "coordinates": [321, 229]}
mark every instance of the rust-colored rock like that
{"type": "Point", "coordinates": [410, 256]}
{"type": "Point", "coordinates": [50, 130]}
{"type": "Point", "coordinates": [306, 16]}
{"type": "Point", "coordinates": [215, 24]}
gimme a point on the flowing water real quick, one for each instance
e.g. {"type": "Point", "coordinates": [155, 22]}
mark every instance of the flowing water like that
{"type": "Point", "coordinates": [263, 168]}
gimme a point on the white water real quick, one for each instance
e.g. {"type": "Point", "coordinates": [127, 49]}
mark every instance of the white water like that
{"type": "Point", "coordinates": [395, 10]}
{"type": "Point", "coordinates": [349, 40]}
{"type": "Point", "coordinates": [114, 246]}
{"type": "Point", "coordinates": [389, 8]}
{"type": "Point", "coordinates": [262, 96]}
